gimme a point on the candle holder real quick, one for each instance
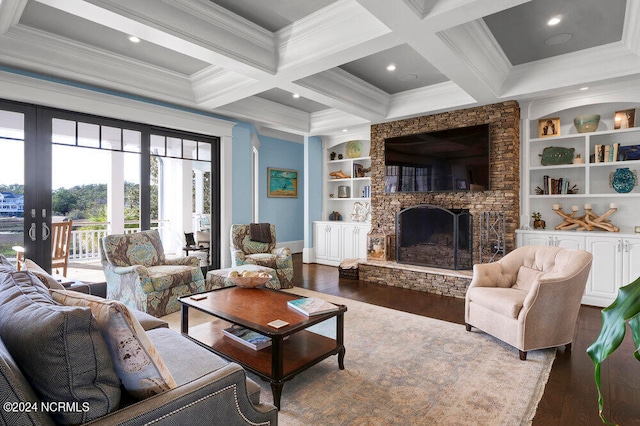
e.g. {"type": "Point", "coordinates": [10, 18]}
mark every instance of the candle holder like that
{"type": "Point", "coordinates": [589, 221]}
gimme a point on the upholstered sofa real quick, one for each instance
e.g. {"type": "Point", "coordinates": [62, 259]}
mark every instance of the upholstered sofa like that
{"type": "Point", "coordinates": [140, 275]}
{"type": "Point", "coordinates": [246, 251]}
{"type": "Point", "coordinates": [65, 358]}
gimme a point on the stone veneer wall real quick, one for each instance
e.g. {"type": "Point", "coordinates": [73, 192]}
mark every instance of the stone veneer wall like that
{"type": "Point", "coordinates": [502, 196]}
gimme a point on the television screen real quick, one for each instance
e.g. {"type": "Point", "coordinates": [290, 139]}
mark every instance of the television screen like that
{"type": "Point", "coordinates": [446, 160]}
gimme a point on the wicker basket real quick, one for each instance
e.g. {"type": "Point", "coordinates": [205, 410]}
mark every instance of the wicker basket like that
{"type": "Point", "coordinates": [351, 274]}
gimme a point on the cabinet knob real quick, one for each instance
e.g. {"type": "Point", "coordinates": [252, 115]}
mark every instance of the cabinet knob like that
{"type": "Point", "coordinates": [619, 246]}
{"type": "Point", "coordinates": [626, 246]}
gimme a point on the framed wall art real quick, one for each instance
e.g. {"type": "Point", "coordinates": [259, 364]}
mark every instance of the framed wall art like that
{"type": "Point", "coordinates": [548, 127]}
{"type": "Point", "coordinates": [624, 119]}
{"type": "Point", "coordinates": [282, 183]}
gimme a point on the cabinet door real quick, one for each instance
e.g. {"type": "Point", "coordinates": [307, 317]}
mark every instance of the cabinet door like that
{"type": "Point", "coordinates": [606, 270]}
{"type": "Point", "coordinates": [631, 260]}
{"type": "Point", "coordinates": [354, 241]}
{"type": "Point", "coordinates": [334, 242]}
{"type": "Point", "coordinates": [320, 241]}
{"type": "Point", "coordinates": [534, 239]}
{"type": "Point", "coordinates": [362, 241]}
{"type": "Point", "coordinates": [569, 241]}
{"type": "Point", "coordinates": [350, 241]}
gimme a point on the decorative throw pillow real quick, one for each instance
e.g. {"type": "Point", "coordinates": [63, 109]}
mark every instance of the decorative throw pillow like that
{"type": "Point", "coordinates": [526, 277]}
{"type": "Point", "coordinates": [42, 275]}
{"type": "Point", "coordinates": [58, 348]}
{"type": "Point", "coordinates": [136, 361]}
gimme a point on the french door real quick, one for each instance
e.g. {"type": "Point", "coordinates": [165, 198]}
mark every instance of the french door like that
{"type": "Point", "coordinates": [100, 173]}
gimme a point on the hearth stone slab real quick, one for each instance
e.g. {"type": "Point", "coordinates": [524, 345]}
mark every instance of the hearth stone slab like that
{"type": "Point", "coordinates": [431, 280]}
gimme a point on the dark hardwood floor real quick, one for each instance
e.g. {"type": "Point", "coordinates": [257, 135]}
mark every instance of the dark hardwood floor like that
{"type": "Point", "coordinates": [570, 396]}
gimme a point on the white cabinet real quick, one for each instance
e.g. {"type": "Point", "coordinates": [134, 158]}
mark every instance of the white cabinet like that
{"type": "Point", "coordinates": [335, 241]}
{"type": "Point", "coordinates": [616, 259]}
{"type": "Point", "coordinates": [616, 262]}
{"type": "Point", "coordinates": [555, 239]}
{"type": "Point", "coordinates": [354, 241]}
{"type": "Point", "coordinates": [327, 238]}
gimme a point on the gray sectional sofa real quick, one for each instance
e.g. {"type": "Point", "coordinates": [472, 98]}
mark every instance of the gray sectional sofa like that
{"type": "Point", "coordinates": [55, 368]}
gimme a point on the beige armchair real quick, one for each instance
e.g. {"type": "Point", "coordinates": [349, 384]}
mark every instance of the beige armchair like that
{"type": "Point", "coordinates": [530, 298]}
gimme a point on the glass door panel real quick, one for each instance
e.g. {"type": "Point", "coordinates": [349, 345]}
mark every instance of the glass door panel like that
{"type": "Point", "coordinates": [11, 183]}
{"type": "Point", "coordinates": [96, 184]}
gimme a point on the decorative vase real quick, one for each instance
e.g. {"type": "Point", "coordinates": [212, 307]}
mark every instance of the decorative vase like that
{"type": "Point", "coordinates": [539, 224]}
{"type": "Point", "coordinates": [623, 180]}
{"type": "Point", "coordinates": [586, 123]}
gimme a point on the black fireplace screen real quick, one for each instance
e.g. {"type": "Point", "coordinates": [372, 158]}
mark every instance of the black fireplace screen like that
{"type": "Point", "coordinates": [429, 235]}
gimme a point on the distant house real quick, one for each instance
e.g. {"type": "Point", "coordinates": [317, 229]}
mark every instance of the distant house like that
{"type": "Point", "coordinates": [11, 204]}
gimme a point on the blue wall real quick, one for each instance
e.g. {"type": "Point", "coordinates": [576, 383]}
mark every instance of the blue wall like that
{"type": "Point", "coordinates": [241, 176]}
{"type": "Point", "coordinates": [287, 214]}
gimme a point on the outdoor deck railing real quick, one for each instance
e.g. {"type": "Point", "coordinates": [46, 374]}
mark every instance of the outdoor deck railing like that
{"type": "Point", "coordinates": [84, 244]}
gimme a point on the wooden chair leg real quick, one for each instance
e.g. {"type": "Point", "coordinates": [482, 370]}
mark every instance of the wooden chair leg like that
{"type": "Point", "coordinates": [468, 327]}
{"type": "Point", "coordinates": [523, 355]}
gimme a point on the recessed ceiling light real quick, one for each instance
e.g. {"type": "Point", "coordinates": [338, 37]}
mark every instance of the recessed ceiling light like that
{"type": "Point", "coordinates": [345, 130]}
{"type": "Point", "coordinates": [296, 95]}
{"type": "Point", "coordinates": [558, 39]}
{"type": "Point", "coordinates": [554, 21]}
{"type": "Point", "coordinates": [391, 67]}
{"type": "Point", "coordinates": [134, 39]}
{"type": "Point", "coordinates": [584, 88]}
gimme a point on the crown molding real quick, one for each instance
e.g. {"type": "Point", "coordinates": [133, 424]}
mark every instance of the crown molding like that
{"type": "Point", "coordinates": [597, 64]}
{"type": "Point", "coordinates": [349, 93]}
{"type": "Point", "coordinates": [334, 28]}
{"type": "Point", "coordinates": [332, 121]}
{"type": "Point", "coordinates": [227, 20]}
{"type": "Point", "coordinates": [215, 86]}
{"type": "Point", "coordinates": [41, 52]}
{"type": "Point", "coordinates": [428, 100]}
{"type": "Point", "coordinates": [93, 101]}
{"type": "Point", "coordinates": [476, 46]}
{"type": "Point", "coordinates": [620, 91]}
{"type": "Point", "coordinates": [10, 13]}
{"type": "Point", "coordinates": [164, 24]}
{"type": "Point", "coordinates": [268, 113]}
{"type": "Point", "coordinates": [631, 28]}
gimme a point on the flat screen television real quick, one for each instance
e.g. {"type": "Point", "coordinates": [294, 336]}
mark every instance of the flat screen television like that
{"type": "Point", "coordinates": [441, 161]}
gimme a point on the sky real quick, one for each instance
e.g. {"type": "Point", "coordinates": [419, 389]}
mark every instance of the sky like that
{"type": "Point", "coordinates": [71, 165]}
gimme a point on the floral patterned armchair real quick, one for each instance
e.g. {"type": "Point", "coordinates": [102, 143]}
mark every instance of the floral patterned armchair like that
{"type": "Point", "coordinates": [245, 251]}
{"type": "Point", "coordinates": [139, 275]}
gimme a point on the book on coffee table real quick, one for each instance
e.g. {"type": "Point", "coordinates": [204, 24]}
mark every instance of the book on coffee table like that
{"type": "Point", "coordinates": [247, 337]}
{"type": "Point", "coordinates": [312, 306]}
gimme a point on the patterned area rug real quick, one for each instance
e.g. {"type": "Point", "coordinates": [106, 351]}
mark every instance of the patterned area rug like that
{"type": "Point", "coordinates": [404, 369]}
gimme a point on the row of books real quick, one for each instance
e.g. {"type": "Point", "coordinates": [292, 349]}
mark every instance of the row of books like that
{"type": "Point", "coordinates": [366, 191]}
{"type": "Point", "coordinates": [307, 305]}
{"type": "Point", "coordinates": [606, 153]}
{"type": "Point", "coordinates": [555, 186]}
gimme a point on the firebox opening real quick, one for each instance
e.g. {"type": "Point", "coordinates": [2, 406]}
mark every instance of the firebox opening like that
{"type": "Point", "coordinates": [429, 235]}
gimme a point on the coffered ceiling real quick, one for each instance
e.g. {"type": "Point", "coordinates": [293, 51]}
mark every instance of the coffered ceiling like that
{"type": "Point", "coordinates": [246, 59]}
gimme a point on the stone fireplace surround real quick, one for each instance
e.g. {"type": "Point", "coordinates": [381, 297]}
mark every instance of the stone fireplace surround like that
{"type": "Point", "coordinates": [503, 196]}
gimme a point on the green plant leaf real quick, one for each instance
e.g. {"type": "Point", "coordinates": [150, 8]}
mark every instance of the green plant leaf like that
{"type": "Point", "coordinates": [625, 308]}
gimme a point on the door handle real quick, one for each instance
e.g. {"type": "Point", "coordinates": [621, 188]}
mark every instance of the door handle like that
{"type": "Point", "coordinates": [32, 232]}
{"type": "Point", "coordinates": [45, 232]}
{"type": "Point", "coordinates": [626, 246]}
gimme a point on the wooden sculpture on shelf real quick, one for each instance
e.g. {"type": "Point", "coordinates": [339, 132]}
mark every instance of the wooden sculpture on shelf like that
{"type": "Point", "coordinates": [589, 221]}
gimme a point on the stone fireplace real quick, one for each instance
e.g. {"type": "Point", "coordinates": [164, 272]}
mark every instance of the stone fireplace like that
{"type": "Point", "coordinates": [429, 235]}
{"type": "Point", "coordinates": [502, 195]}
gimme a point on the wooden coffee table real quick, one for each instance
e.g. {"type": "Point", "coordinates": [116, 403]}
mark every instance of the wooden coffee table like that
{"type": "Point", "coordinates": [253, 309]}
